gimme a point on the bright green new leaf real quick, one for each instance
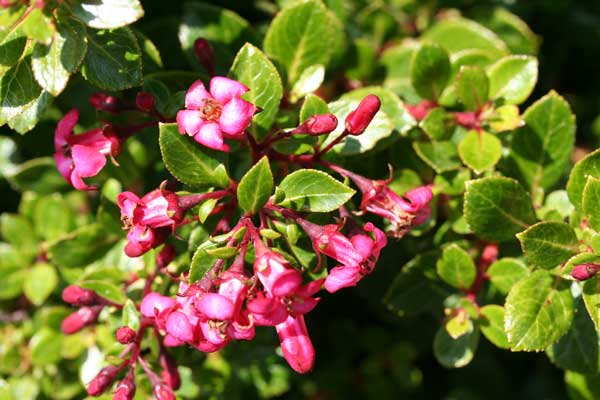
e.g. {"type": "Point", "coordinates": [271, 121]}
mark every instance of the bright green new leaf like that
{"type": "Point", "coordinates": [18, 231]}
{"type": "Point", "coordinates": [108, 14]}
{"type": "Point", "coordinates": [591, 202]}
{"type": "Point", "coordinates": [437, 123]}
{"type": "Point", "coordinates": [491, 324]}
{"type": "Point", "coordinates": [105, 289]}
{"type": "Point", "coordinates": [131, 316]}
{"type": "Point", "coordinates": [505, 272]}
{"type": "Point", "coordinates": [255, 187]}
{"type": "Point", "coordinates": [312, 105]}
{"type": "Point", "coordinates": [472, 87]}
{"type": "Point", "coordinates": [45, 347]}
{"type": "Point", "coordinates": [310, 80]}
{"type": "Point", "coordinates": [40, 281]}
{"type": "Point", "coordinates": [480, 151]}
{"type": "Point", "coordinates": [587, 167]}
{"type": "Point", "coordinates": [513, 78]}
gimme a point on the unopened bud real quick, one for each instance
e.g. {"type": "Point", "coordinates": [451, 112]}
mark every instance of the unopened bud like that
{"type": "Point", "coordinates": [125, 335]}
{"type": "Point", "coordinates": [205, 54]}
{"type": "Point", "coordinates": [358, 120]}
{"type": "Point", "coordinates": [144, 101]}
{"type": "Point", "coordinates": [78, 296]}
{"type": "Point", "coordinates": [103, 380]}
{"type": "Point", "coordinates": [318, 125]}
{"type": "Point", "coordinates": [39, 4]}
{"type": "Point", "coordinates": [165, 256]}
{"type": "Point", "coordinates": [162, 392]}
{"type": "Point", "coordinates": [467, 119]}
{"type": "Point", "coordinates": [169, 374]}
{"type": "Point", "coordinates": [103, 102]}
{"type": "Point", "coordinates": [125, 389]}
{"type": "Point", "coordinates": [79, 319]}
{"type": "Point", "coordinates": [583, 272]}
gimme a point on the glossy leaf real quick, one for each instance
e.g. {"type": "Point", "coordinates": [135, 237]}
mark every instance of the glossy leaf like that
{"type": "Point", "coordinates": [472, 87]}
{"type": "Point", "coordinates": [480, 151]}
{"type": "Point", "coordinates": [589, 166]}
{"type": "Point", "coordinates": [548, 244]}
{"type": "Point", "coordinates": [441, 156]}
{"type": "Point", "coordinates": [505, 272]}
{"type": "Point", "coordinates": [430, 71]}
{"type": "Point", "coordinates": [456, 267]}
{"type": "Point", "coordinates": [491, 324]}
{"type": "Point", "coordinates": [455, 353]}
{"type": "Point", "coordinates": [255, 187]}
{"type": "Point", "coordinates": [513, 78]}
{"type": "Point", "coordinates": [590, 202]}
{"type": "Point", "coordinates": [101, 14]}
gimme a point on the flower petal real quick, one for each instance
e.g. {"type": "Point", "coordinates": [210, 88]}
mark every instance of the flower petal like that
{"type": "Point", "coordinates": [210, 136]}
{"type": "Point", "coordinates": [189, 121]}
{"type": "Point", "coordinates": [296, 345]}
{"type": "Point", "coordinates": [236, 116]}
{"type": "Point", "coordinates": [179, 327]}
{"type": "Point", "coordinates": [224, 89]}
{"type": "Point", "coordinates": [87, 160]}
{"type": "Point", "coordinates": [155, 301]}
{"type": "Point", "coordinates": [341, 277]}
{"type": "Point", "coordinates": [195, 94]}
{"type": "Point", "coordinates": [64, 165]}
{"type": "Point", "coordinates": [215, 307]}
{"type": "Point", "coordinates": [64, 128]}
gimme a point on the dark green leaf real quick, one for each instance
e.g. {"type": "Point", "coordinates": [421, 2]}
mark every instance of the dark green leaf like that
{"type": "Point", "coordinates": [39, 175]}
{"type": "Point", "coordinates": [539, 310]}
{"type": "Point", "coordinates": [255, 187]}
{"type": "Point", "coordinates": [202, 262]}
{"type": "Point", "coordinates": [81, 247]}
{"type": "Point", "coordinates": [496, 208]}
{"type": "Point", "coordinates": [113, 60]}
{"type": "Point", "coordinates": [441, 156]}
{"type": "Point", "coordinates": [190, 162]}
{"type": "Point", "coordinates": [18, 89]}
{"type": "Point", "coordinates": [430, 71]}
{"type": "Point", "coordinates": [312, 190]}
{"type": "Point", "coordinates": [548, 244]}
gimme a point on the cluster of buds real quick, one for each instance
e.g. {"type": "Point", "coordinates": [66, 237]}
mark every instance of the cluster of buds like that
{"type": "Point", "coordinates": [89, 303]}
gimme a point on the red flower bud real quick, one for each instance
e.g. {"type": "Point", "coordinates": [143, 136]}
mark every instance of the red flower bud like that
{"type": "Point", "coordinates": [468, 119]}
{"type": "Point", "coordinates": [420, 110]}
{"type": "Point", "coordinates": [169, 374]}
{"type": "Point", "coordinates": [318, 125]}
{"type": "Point", "coordinates": [583, 272]}
{"type": "Point", "coordinates": [125, 389]}
{"type": "Point", "coordinates": [104, 102]}
{"type": "Point", "coordinates": [125, 335]}
{"type": "Point", "coordinates": [205, 54]}
{"type": "Point", "coordinates": [144, 101]}
{"type": "Point", "coordinates": [79, 319]}
{"type": "Point", "coordinates": [165, 256]}
{"type": "Point", "coordinates": [103, 380]}
{"type": "Point", "coordinates": [78, 296]}
{"type": "Point", "coordinates": [162, 392]}
{"type": "Point", "coordinates": [358, 120]}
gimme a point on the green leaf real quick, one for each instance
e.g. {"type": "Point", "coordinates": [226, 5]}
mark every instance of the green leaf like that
{"type": "Point", "coordinates": [541, 150]}
{"type": "Point", "coordinates": [491, 323]}
{"type": "Point", "coordinates": [53, 64]}
{"type": "Point", "coordinates": [131, 316]}
{"type": "Point", "coordinates": [441, 156]}
{"type": "Point", "coordinates": [505, 272]}
{"type": "Point", "coordinates": [108, 14]}
{"type": "Point", "coordinates": [222, 252]}
{"type": "Point", "coordinates": [456, 34]}
{"type": "Point", "coordinates": [455, 353]}
{"type": "Point", "coordinates": [38, 26]}
{"type": "Point", "coordinates": [18, 231]}
{"type": "Point", "coordinates": [312, 190]}
{"type": "Point", "coordinates": [591, 298]}
{"type": "Point", "coordinates": [225, 30]}
{"type": "Point", "coordinates": [416, 287]}
{"type": "Point", "coordinates": [202, 262]}
{"type": "Point", "coordinates": [582, 387]}
{"type": "Point", "coordinates": [39, 175]}
{"type": "Point", "coordinates": [590, 202]}
{"type": "Point", "coordinates": [587, 167]}
{"type": "Point", "coordinates": [11, 282]}
{"type": "Point", "coordinates": [437, 124]}
{"type": "Point", "coordinates": [53, 217]}
{"type": "Point", "coordinates": [81, 247]}
{"type": "Point", "coordinates": [45, 347]}
{"type": "Point", "coordinates": [105, 289]}
{"type": "Point", "coordinates": [458, 325]}
{"type": "Point", "coordinates": [256, 186]}
{"type": "Point", "coordinates": [151, 59]}
{"type": "Point", "coordinates": [430, 71]}
{"type": "Point", "coordinates": [513, 78]}
{"type": "Point", "coordinates": [31, 114]}
{"type": "Point", "coordinates": [480, 151]}
{"type": "Point", "coordinates": [496, 208]}
{"type": "Point", "coordinates": [302, 35]}
{"type": "Point", "coordinates": [505, 118]}
{"type": "Point", "coordinates": [310, 80]}
{"type": "Point", "coordinates": [18, 89]}
{"type": "Point", "coordinates": [456, 267]}
{"type": "Point", "coordinates": [548, 244]}
{"type": "Point", "coordinates": [539, 310]}
{"type": "Point", "coordinates": [39, 283]}
{"type": "Point", "coordinates": [312, 105]}
{"type": "Point", "coordinates": [578, 349]}
{"type": "Point", "coordinates": [190, 162]}
{"type": "Point", "coordinates": [513, 31]}
{"type": "Point", "coordinates": [472, 87]}
{"type": "Point", "coordinates": [12, 45]}
{"type": "Point", "coordinates": [396, 61]}
{"type": "Point", "coordinates": [253, 69]}
{"type": "Point", "coordinates": [113, 60]}
{"type": "Point", "coordinates": [205, 209]}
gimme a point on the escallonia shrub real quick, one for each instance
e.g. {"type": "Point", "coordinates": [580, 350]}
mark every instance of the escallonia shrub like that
{"type": "Point", "coordinates": [196, 197]}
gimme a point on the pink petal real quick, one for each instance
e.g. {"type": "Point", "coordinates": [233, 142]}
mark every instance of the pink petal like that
{"type": "Point", "coordinates": [236, 116]}
{"type": "Point", "coordinates": [156, 301]}
{"type": "Point", "coordinates": [94, 139]}
{"type": "Point", "coordinates": [189, 121]}
{"type": "Point", "coordinates": [211, 137]}
{"type": "Point", "coordinates": [87, 160]}
{"type": "Point", "coordinates": [213, 334]}
{"type": "Point", "coordinates": [310, 288]}
{"type": "Point", "coordinates": [304, 305]}
{"type": "Point", "coordinates": [179, 327]}
{"type": "Point", "coordinates": [296, 345]}
{"type": "Point", "coordinates": [341, 277]}
{"type": "Point", "coordinates": [64, 165]}
{"type": "Point", "coordinates": [215, 307]}
{"type": "Point", "coordinates": [224, 89]}
{"type": "Point", "coordinates": [241, 328]}
{"type": "Point", "coordinates": [64, 128]}
{"type": "Point", "coordinates": [170, 341]}
{"type": "Point", "coordinates": [195, 94]}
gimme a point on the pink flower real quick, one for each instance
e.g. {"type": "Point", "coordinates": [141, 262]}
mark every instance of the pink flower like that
{"type": "Point", "coordinates": [296, 345]}
{"type": "Point", "coordinates": [154, 304]}
{"type": "Point", "coordinates": [274, 271]}
{"type": "Point", "coordinates": [368, 242]}
{"type": "Point", "coordinates": [211, 116]}
{"type": "Point", "coordinates": [103, 380]}
{"type": "Point", "coordinates": [84, 155]}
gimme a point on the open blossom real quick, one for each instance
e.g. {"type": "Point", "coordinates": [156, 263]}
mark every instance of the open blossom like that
{"type": "Point", "coordinates": [84, 155]}
{"type": "Point", "coordinates": [274, 272]}
{"type": "Point", "coordinates": [148, 220]}
{"type": "Point", "coordinates": [210, 116]}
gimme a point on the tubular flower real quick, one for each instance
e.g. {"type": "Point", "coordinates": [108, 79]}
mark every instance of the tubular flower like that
{"type": "Point", "coordinates": [296, 345]}
{"type": "Point", "coordinates": [84, 155]}
{"type": "Point", "coordinates": [213, 115]}
{"type": "Point", "coordinates": [274, 272]}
